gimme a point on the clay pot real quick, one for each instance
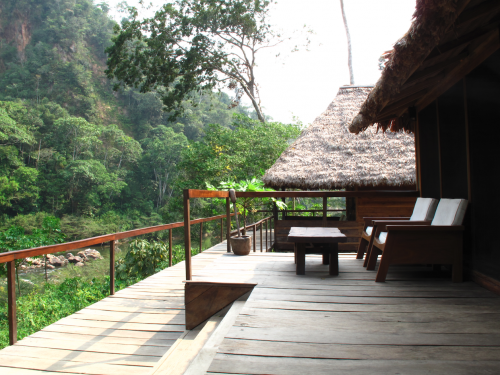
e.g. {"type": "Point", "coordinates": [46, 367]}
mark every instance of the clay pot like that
{"type": "Point", "coordinates": [241, 245]}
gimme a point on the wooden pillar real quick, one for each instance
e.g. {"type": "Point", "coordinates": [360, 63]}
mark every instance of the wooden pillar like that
{"type": "Point", "coordinates": [228, 224]}
{"type": "Point", "coordinates": [170, 247]}
{"type": "Point", "coordinates": [201, 237]}
{"type": "Point", "coordinates": [221, 230]}
{"type": "Point", "coordinates": [418, 163]}
{"type": "Point", "coordinates": [325, 207]}
{"type": "Point", "coordinates": [467, 145]}
{"type": "Point", "coordinates": [266, 237]}
{"type": "Point", "coordinates": [11, 291]}
{"type": "Point", "coordinates": [261, 236]}
{"type": "Point", "coordinates": [254, 234]}
{"type": "Point", "coordinates": [187, 235]}
{"type": "Point", "coordinates": [112, 267]}
{"type": "Point", "coordinates": [439, 152]}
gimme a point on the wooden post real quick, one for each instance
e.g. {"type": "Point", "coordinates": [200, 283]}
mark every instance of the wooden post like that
{"type": "Point", "coordinates": [266, 235]}
{"type": "Point", "coordinates": [261, 237]}
{"type": "Point", "coordinates": [111, 268]}
{"type": "Point", "coordinates": [325, 207]}
{"type": "Point", "coordinates": [228, 225]}
{"type": "Point", "coordinates": [201, 237]}
{"type": "Point", "coordinates": [254, 233]}
{"type": "Point", "coordinates": [170, 247]}
{"type": "Point", "coordinates": [221, 230]}
{"type": "Point", "coordinates": [187, 235]}
{"type": "Point", "coordinates": [11, 291]}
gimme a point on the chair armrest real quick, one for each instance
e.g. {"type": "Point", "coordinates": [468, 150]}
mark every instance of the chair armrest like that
{"type": "Point", "coordinates": [426, 228]}
{"type": "Point", "coordinates": [368, 220]}
{"type": "Point", "coordinates": [382, 224]}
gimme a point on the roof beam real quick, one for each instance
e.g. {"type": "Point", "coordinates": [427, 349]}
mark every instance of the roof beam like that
{"type": "Point", "coordinates": [435, 69]}
{"type": "Point", "coordinates": [400, 106]}
{"type": "Point", "coordinates": [488, 8]}
{"type": "Point", "coordinates": [479, 52]}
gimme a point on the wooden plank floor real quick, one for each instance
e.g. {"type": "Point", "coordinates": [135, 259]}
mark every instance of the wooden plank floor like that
{"type": "Point", "coordinates": [126, 333]}
{"type": "Point", "coordinates": [417, 322]}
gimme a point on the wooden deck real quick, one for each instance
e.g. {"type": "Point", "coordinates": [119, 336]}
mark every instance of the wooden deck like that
{"type": "Point", "coordinates": [417, 322]}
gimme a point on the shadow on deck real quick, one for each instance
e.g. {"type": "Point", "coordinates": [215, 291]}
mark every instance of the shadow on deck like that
{"type": "Point", "coordinates": [417, 322]}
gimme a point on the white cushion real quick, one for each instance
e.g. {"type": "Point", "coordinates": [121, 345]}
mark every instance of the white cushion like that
{"type": "Point", "coordinates": [369, 230]}
{"type": "Point", "coordinates": [450, 212]}
{"type": "Point", "coordinates": [382, 237]}
{"type": "Point", "coordinates": [424, 209]}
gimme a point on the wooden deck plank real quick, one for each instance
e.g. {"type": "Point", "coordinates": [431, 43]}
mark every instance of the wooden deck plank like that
{"type": "Point", "coordinates": [243, 364]}
{"type": "Point", "coordinates": [417, 322]}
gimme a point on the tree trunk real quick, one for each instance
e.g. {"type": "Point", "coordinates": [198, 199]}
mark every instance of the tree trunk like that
{"type": "Point", "coordinates": [255, 104]}
{"type": "Point", "coordinates": [349, 49]}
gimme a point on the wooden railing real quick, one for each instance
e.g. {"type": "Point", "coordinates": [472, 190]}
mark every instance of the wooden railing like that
{"type": "Point", "coordinates": [269, 231]}
{"type": "Point", "coordinates": [193, 194]}
{"type": "Point", "coordinates": [11, 256]}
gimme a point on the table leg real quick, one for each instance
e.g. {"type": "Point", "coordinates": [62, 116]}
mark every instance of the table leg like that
{"type": "Point", "coordinates": [301, 259]}
{"type": "Point", "coordinates": [326, 254]}
{"type": "Point", "coordinates": [295, 252]}
{"type": "Point", "coordinates": [334, 259]}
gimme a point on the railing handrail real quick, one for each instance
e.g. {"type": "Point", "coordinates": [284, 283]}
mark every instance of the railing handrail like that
{"type": "Point", "coordinates": [9, 256]}
{"type": "Point", "coordinates": [192, 193]}
{"type": "Point", "coordinates": [245, 227]}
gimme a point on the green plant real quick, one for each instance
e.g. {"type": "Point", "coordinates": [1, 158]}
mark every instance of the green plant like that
{"type": "Point", "coordinates": [142, 259]}
{"type": "Point", "coordinates": [248, 205]}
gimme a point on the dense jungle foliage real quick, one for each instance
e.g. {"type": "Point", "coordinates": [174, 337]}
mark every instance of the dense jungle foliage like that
{"type": "Point", "coordinates": [100, 160]}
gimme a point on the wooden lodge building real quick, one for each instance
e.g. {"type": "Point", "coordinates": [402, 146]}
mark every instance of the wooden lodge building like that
{"type": "Point", "coordinates": [327, 156]}
{"type": "Point", "coordinates": [442, 83]}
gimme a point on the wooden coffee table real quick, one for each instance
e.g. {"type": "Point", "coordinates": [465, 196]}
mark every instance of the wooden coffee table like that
{"type": "Point", "coordinates": [328, 237]}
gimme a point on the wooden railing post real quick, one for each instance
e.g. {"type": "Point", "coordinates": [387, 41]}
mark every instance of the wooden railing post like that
{"type": "Point", "coordinates": [254, 234]}
{"type": "Point", "coordinates": [11, 291]}
{"type": "Point", "coordinates": [221, 230]}
{"type": "Point", "coordinates": [325, 207]}
{"type": "Point", "coordinates": [111, 267]}
{"type": "Point", "coordinates": [170, 247]}
{"type": "Point", "coordinates": [187, 235]}
{"type": "Point", "coordinates": [261, 236]}
{"type": "Point", "coordinates": [228, 225]}
{"type": "Point", "coordinates": [266, 234]}
{"type": "Point", "coordinates": [201, 237]}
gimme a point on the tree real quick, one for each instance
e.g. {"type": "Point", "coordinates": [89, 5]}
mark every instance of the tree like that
{"type": "Point", "coordinates": [349, 48]}
{"type": "Point", "coordinates": [191, 45]}
{"type": "Point", "coordinates": [162, 153]}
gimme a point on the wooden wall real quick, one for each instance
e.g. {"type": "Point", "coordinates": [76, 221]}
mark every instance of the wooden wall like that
{"type": "Point", "coordinates": [483, 109]}
{"type": "Point", "coordinates": [384, 207]}
{"type": "Point", "coordinates": [459, 158]}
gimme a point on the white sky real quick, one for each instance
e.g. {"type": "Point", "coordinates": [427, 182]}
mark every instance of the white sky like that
{"type": "Point", "coordinates": [305, 82]}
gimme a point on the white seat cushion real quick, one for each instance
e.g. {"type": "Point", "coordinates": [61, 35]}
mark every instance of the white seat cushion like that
{"type": "Point", "coordinates": [424, 209]}
{"type": "Point", "coordinates": [369, 230]}
{"type": "Point", "coordinates": [383, 237]}
{"type": "Point", "coordinates": [450, 212]}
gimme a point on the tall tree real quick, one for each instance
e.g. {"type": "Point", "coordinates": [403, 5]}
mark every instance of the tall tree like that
{"type": "Point", "coordinates": [349, 48]}
{"type": "Point", "coordinates": [193, 44]}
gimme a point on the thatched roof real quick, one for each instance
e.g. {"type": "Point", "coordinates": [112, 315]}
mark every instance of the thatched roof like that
{"type": "Point", "coordinates": [327, 156]}
{"type": "Point", "coordinates": [447, 39]}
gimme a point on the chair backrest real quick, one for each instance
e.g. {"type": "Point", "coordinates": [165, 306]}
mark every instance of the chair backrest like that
{"type": "Point", "coordinates": [450, 212]}
{"type": "Point", "coordinates": [424, 209]}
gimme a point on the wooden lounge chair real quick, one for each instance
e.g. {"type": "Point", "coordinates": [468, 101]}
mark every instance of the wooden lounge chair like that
{"type": "Point", "coordinates": [423, 212]}
{"type": "Point", "coordinates": [440, 242]}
